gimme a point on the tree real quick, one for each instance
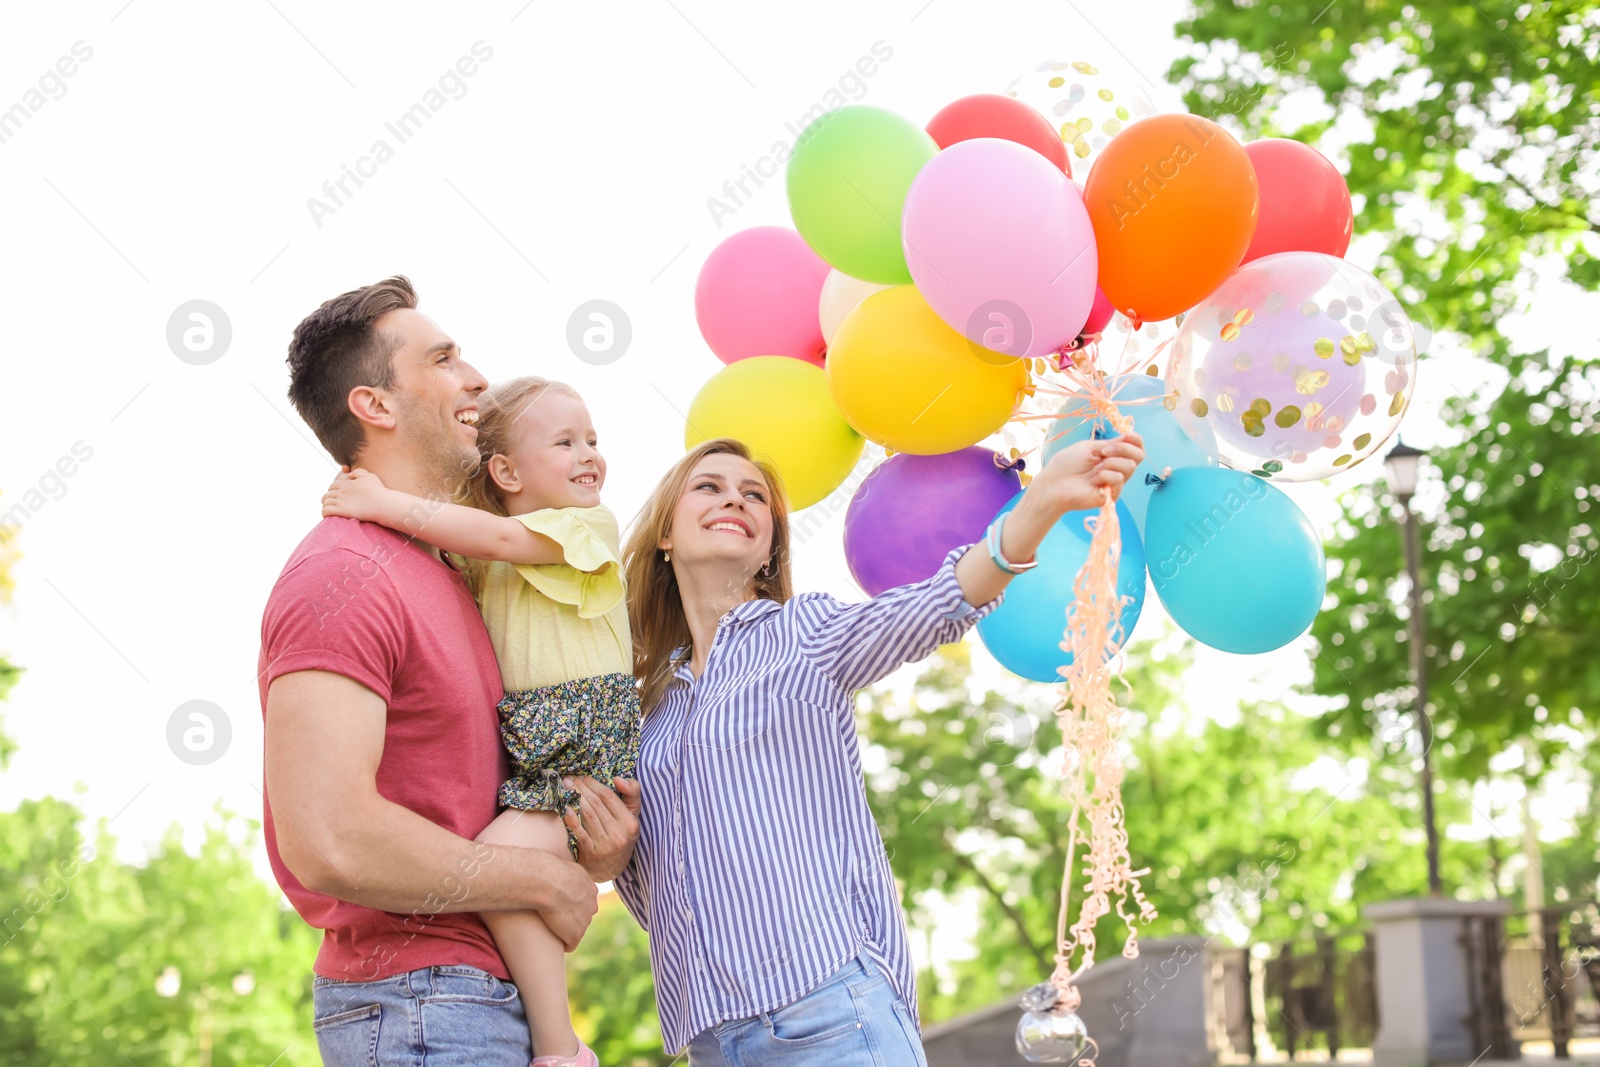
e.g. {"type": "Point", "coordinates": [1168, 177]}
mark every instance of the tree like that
{"type": "Point", "coordinates": [612, 993]}
{"type": "Point", "coordinates": [1484, 120]}
{"type": "Point", "coordinates": [85, 938]}
{"type": "Point", "coordinates": [8, 672]}
{"type": "Point", "coordinates": [1481, 153]}
{"type": "Point", "coordinates": [1238, 844]}
{"type": "Point", "coordinates": [1513, 605]}
{"type": "Point", "coordinates": [1573, 863]}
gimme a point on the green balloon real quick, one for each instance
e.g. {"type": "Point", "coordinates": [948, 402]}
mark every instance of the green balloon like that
{"type": "Point", "coordinates": [847, 185]}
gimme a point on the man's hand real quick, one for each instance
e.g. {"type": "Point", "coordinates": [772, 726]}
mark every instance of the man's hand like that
{"type": "Point", "coordinates": [358, 494]}
{"type": "Point", "coordinates": [606, 824]}
{"type": "Point", "coordinates": [573, 901]}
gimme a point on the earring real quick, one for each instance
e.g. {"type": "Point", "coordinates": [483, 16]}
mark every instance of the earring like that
{"type": "Point", "coordinates": [666, 556]}
{"type": "Point", "coordinates": [766, 570]}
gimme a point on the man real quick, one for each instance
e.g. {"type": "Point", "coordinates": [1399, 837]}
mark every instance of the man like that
{"type": "Point", "coordinates": [383, 755]}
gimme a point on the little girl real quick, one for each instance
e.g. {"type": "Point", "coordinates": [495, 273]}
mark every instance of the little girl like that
{"type": "Point", "coordinates": [543, 560]}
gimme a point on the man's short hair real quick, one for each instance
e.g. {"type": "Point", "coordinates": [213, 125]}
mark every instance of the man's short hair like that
{"type": "Point", "coordinates": [337, 348]}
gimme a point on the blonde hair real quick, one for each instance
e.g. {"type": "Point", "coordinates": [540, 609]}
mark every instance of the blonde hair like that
{"type": "Point", "coordinates": [655, 607]}
{"type": "Point", "coordinates": [498, 411]}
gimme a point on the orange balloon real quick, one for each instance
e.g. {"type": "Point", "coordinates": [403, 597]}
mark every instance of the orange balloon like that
{"type": "Point", "coordinates": [1173, 200]}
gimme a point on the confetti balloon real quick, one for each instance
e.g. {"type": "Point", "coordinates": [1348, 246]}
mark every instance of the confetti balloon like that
{"type": "Point", "coordinates": [1137, 348]}
{"type": "Point", "coordinates": [1087, 103]}
{"type": "Point", "coordinates": [1299, 366]}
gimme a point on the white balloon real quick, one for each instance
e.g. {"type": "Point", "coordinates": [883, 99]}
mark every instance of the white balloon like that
{"type": "Point", "coordinates": [840, 296]}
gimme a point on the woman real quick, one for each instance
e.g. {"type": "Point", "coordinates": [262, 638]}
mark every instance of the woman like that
{"type": "Point", "coordinates": [775, 927]}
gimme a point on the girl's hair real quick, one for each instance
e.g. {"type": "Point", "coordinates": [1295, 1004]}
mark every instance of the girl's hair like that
{"type": "Point", "coordinates": [498, 411]}
{"type": "Point", "coordinates": [655, 608]}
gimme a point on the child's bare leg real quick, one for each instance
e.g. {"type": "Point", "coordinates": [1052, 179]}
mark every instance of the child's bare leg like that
{"type": "Point", "coordinates": [535, 957]}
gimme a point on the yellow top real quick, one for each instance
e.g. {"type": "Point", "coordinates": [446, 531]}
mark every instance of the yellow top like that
{"type": "Point", "coordinates": [558, 622]}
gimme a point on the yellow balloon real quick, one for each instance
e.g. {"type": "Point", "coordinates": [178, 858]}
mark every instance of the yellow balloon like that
{"type": "Point", "coordinates": [780, 407]}
{"type": "Point", "coordinates": [909, 382]}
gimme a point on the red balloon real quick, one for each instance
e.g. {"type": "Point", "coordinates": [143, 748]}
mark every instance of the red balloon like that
{"type": "Point", "coordinates": [1305, 203]}
{"type": "Point", "coordinates": [1099, 313]}
{"type": "Point", "coordinates": [1005, 117]}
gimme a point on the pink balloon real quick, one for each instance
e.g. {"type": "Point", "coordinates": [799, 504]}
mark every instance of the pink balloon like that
{"type": "Point", "coordinates": [1100, 314]}
{"type": "Point", "coordinates": [757, 296]}
{"type": "Point", "coordinates": [1000, 246]}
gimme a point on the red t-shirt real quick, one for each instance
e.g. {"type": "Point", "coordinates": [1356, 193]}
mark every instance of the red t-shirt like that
{"type": "Point", "coordinates": [362, 601]}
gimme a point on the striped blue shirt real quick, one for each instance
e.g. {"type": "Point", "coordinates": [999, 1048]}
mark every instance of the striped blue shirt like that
{"type": "Point", "coordinates": [759, 869]}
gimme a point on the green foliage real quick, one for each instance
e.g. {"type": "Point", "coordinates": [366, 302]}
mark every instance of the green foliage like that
{"type": "Point", "coordinates": [83, 938]}
{"type": "Point", "coordinates": [1485, 129]}
{"type": "Point", "coordinates": [1573, 864]}
{"type": "Point", "coordinates": [1481, 152]}
{"type": "Point", "coordinates": [9, 673]}
{"type": "Point", "coordinates": [1512, 603]}
{"type": "Point", "coordinates": [1237, 842]}
{"type": "Point", "coordinates": [613, 997]}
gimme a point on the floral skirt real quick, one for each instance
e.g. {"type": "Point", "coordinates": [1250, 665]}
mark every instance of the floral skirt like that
{"type": "Point", "coordinates": [589, 726]}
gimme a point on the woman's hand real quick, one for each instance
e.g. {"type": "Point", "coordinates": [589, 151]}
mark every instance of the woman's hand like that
{"type": "Point", "coordinates": [357, 494]}
{"type": "Point", "coordinates": [606, 824]}
{"type": "Point", "coordinates": [1076, 478]}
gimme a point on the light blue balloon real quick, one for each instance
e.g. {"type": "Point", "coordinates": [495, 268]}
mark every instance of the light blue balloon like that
{"type": "Point", "coordinates": [1024, 633]}
{"type": "Point", "coordinates": [1166, 442]}
{"type": "Point", "coordinates": [1236, 564]}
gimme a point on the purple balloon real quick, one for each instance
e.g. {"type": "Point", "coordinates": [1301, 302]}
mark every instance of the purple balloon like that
{"type": "Point", "coordinates": [910, 512]}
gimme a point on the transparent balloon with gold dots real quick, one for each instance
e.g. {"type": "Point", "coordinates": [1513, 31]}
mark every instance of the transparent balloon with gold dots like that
{"type": "Point", "coordinates": [1087, 102]}
{"type": "Point", "coordinates": [1137, 349]}
{"type": "Point", "coordinates": [1300, 364]}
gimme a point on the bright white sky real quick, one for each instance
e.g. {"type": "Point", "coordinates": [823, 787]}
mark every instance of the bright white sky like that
{"type": "Point", "coordinates": [177, 166]}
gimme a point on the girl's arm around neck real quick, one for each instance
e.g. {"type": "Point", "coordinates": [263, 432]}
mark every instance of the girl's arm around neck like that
{"type": "Point", "coordinates": [360, 494]}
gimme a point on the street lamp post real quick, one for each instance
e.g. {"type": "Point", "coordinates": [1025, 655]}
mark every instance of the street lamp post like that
{"type": "Point", "coordinates": [1402, 463]}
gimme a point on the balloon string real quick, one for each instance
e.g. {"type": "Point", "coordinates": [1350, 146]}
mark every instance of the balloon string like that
{"type": "Point", "coordinates": [1091, 726]}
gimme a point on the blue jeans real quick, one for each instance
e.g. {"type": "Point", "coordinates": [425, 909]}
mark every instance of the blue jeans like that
{"type": "Point", "coordinates": [448, 1016]}
{"type": "Point", "coordinates": [854, 1019]}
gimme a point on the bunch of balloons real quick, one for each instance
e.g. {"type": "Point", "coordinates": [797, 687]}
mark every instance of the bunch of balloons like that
{"type": "Point", "coordinates": [949, 283]}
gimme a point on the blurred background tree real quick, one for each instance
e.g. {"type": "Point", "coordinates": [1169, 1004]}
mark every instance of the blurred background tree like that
{"type": "Point", "coordinates": [1470, 136]}
{"type": "Point", "coordinates": [85, 940]}
{"type": "Point", "coordinates": [613, 997]}
{"type": "Point", "coordinates": [1251, 831]}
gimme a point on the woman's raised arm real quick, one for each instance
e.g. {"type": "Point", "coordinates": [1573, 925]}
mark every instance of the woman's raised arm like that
{"type": "Point", "coordinates": [857, 644]}
{"type": "Point", "coordinates": [1073, 480]}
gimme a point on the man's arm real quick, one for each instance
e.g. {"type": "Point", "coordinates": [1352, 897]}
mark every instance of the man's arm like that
{"type": "Point", "coordinates": [324, 738]}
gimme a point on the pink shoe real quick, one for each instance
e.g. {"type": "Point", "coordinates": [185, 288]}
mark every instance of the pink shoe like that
{"type": "Point", "coordinates": [584, 1057]}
